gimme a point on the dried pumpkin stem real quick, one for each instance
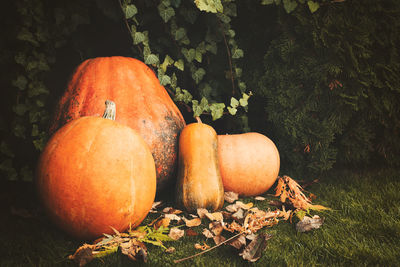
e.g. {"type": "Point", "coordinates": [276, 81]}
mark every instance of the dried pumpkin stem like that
{"type": "Point", "coordinates": [109, 112]}
{"type": "Point", "coordinates": [198, 119]}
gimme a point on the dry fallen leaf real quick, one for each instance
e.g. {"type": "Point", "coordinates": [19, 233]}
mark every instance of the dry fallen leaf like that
{"type": "Point", "coordinates": [202, 212]}
{"type": "Point", "coordinates": [202, 247]}
{"type": "Point", "coordinates": [232, 208]}
{"type": "Point", "coordinates": [193, 222]}
{"type": "Point", "coordinates": [170, 250]}
{"type": "Point", "coordinates": [259, 198]}
{"type": "Point", "coordinates": [253, 251]}
{"type": "Point", "coordinates": [83, 254]}
{"type": "Point", "coordinates": [134, 249]}
{"type": "Point", "coordinates": [175, 233]}
{"type": "Point", "coordinates": [238, 215]}
{"type": "Point", "coordinates": [231, 197]}
{"type": "Point", "coordinates": [155, 205]}
{"type": "Point", "coordinates": [247, 206]}
{"type": "Point", "coordinates": [173, 217]}
{"type": "Point", "coordinates": [164, 222]}
{"type": "Point", "coordinates": [308, 223]}
{"type": "Point", "coordinates": [218, 239]}
{"type": "Point", "coordinates": [215, 216]}
{"type": "Point", "coordinates": [171, 210]}
{"type": "Point", "coordinates": [207, 233]}
{"type": "Point", "coordinates": [216, 227]}
{"type": "Point", "coordinates": [190, 232]}
{"type": "Point", "coordinates": [238, 242]}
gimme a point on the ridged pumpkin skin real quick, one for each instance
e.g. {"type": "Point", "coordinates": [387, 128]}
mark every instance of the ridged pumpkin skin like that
{"type": "Point", "coordinates": [95, 173]}
{"type": "Point", "coordinates": [143, 104]}
{"type": "Point", "coordinates": [249, 163]}
{"type": "Point", "coordinates": [199, 182]}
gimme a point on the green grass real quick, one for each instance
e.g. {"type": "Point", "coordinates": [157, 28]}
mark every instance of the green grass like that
{"type": "Point", "coordinates": [363, 229]}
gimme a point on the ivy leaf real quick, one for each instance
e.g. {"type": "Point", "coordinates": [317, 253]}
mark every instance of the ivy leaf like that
{"type": "Point", "coordinates": [234, 102]}
{"type": "Point", "coordinates": [237, 53]}
{"type": "Point", "coordinates": [20, 82]}
{"type": "Point", "coordinates": [164, 79]}
{"type": "Point", "coordinates": [212, 47]}
{"type": "Point", "coordinates": [242, 86]}
{"type": "Point", "coordinates": [167, 62]}
{"type": "Point", "coordinates": [138, 37]}
{"type": "Point", "coordinates": [130, 11]}
{"type": "Point", "coordinates": [180, 34]}
{"type": "Point", "coordinates": [198, 56]}
{"type": "Point", "coordinates": [166, 13]}
{"type": "Point", "coordinates": [243, 101]}
{"type": "Point", "coordinates": [189, 54]}
{"type": "Point", "coordinates": [198, 75]}
{"type": "Point", "coordinates": [267, 2]}
{"type": "Point", "coordinates": [313, 6]}
{"type": "Point", "coordinates": [232, 111]}
{"type": "Point", "coordinates": [151, 59]}
{"type": "Point", "coordinates": [213, 6]}
{"type": "Point", "coordinates": [183, 95]}
{"type": "Point", "coordinates": [289, 5]}
{"type": "Point", "coordinates": [179, 64]}
{"type": "Point", "coordinates": [20, 109]}
{"type": "Point", "coordinates": [217, 110]}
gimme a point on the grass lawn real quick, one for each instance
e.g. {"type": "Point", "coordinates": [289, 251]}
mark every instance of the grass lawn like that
{"type": "Point", "coordinates": [362, 229]}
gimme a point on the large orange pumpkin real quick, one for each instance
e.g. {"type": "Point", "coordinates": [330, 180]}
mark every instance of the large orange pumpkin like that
{"type": "Point", "coordinates": [94, 174]}
{"type": "Point", "coordinates": [249, 163]}
{"type": "Point", "coordinates": [143, 104]}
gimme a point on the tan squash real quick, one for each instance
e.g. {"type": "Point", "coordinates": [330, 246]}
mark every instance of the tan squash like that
{"type": "Point", "coordinates": [249, 163]}
{"type": "Point", "coordinates": [199, 183]}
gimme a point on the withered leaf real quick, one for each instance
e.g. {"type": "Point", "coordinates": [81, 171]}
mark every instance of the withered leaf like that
{"type": "Point", "coordinates": [215, 216]}
{"type": "Point", "coordinates": [238, 242]}
{"type": "Point", "coordinates": [173, 217]}
{"type": "Point", "coordinates": [155, 205]}
{"type": "Point", "coordinates": [202, 247]}
{"type": "Point", "coordinates": [193, 222]}
{"type": "Point", "coordinates": [207, 233]}
{"type": "Point", "coordinates": [135, 250]}
{"type": "Point", "coordinates": [232, 208]}
{"type": "Point", "coordinates": [231, 197]}
{"type": "Point", "coordinates": [216, 227]}
{"type": "Point", "coordinates": [253, 251]}
{"type": "Point", "coordinates": [202, 212]}
{"type": "Point", "coordinates": [175, 233]}
{"type": "Point", "coordinates": [83, 254]}
{"type": "Point", "coordinates": [164, 222]}
{"type": "Point", "coordinates": [170, 210]}
{"type": "Point", "coordinates": [259, 198]}
{"type": "Point", "coordinates": [247, 206]}
{"type": "Point", "coordinates": [218, 239]}
{"type": "Point", "coordinates": [190, 232]}
{"type": "Point", "coordinates": [308, 223]}
{"type": "Point", "coordinates": [170, 250]}
{"type": "Point", "coordinates": [238, 215]}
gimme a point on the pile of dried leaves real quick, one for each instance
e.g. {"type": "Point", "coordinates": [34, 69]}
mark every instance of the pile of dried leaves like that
{"type": "Point", "coordinates": [237, 225]}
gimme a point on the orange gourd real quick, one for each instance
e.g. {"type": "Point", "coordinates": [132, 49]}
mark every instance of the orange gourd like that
{"type": "Point", "coordinates": [94, 174]}
{"type": "Point", "coordinates": [143, 104]}
{"type": "Point", "coordinates": [199, 183]}
{"type": "Point", "coordinates": [249, 163]}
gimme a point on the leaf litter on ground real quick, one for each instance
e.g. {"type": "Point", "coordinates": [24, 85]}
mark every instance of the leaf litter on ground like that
{"type": "Point", "coordinates": [238, 225]}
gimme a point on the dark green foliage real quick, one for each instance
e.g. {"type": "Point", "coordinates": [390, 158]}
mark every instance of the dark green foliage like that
{"type": "Point", "coordinates": [331, 85]}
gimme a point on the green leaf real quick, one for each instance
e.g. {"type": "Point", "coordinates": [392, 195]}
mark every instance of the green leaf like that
{"type": "Point", "coordinates": [217, 110]}
{"type": "Point", "coordinates": [289, 5]}
{"type": "Point", "coordinates": [20, 109]}
{"type": "Point", "coordinates": [130, 11]}
{"type": "Point", "coordinates": [267, 2]}
{"type": "Point", "coordinates": [138, 37]}
{"type": "Point", "coordinates": [198, 75]}
{"type": "Point", "coordinates": [6, 150]}
{"type": "Point", "coordinates": [212, 47]}
{"type": "Point", "coordinates": [189, 54]}
{"type": "Point", "coordinates": [198, 56]}
{"type": "Point", "coordinates": [183, 95]}
{"type": "Point", "coordinates": [164, 80]}
{"type": "Point", "coordinates": [313, 6]}
{"type": "Point", "coordinates": [243, 101]}
{"type": "Point", "coordinates": [166, 13]}
{"type": "Point", "coordinates": [35, 130]}
{"type": "Point", "coordinates": [180, 34]}
{"type": "Point", "coordinates": [237, 53]}
{"type": "Point", "coordinates": [213, 6]}
{"type": "Point", "coordinates": [232, 111]}
{"type": "Point", "coordinates": [234, 102]}
{"type": "Point", "coordinates": [20, 82]}
{"type": "Point", "coordinates": [179, 64]}
{"type": "Point", "coordinates": [167, 62]}
{"type": "Point", "coordinates": [242, 86]}
{"type": "Point", "coordinates": [151, 59]}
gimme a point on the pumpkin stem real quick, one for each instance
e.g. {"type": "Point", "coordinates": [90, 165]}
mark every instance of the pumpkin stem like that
{"type": "Point", "coordinates": [109, 112]}
{"type": "Point", "coordinates": [198, 119]}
